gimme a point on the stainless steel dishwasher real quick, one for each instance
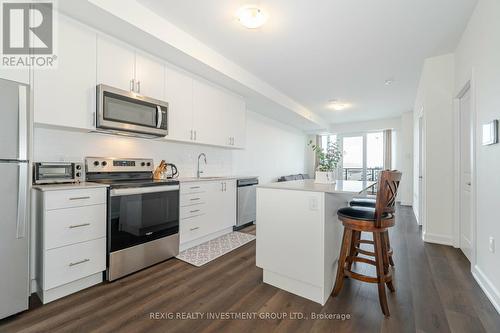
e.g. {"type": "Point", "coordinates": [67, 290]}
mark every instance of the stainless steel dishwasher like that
{"type": "Point", "coordinates": [246, 211]}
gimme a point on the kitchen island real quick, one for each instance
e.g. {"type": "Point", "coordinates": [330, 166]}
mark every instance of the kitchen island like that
{"type": "Point", "coordinates": [299, 235]}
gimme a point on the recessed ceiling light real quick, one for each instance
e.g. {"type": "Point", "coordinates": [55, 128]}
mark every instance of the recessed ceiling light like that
{"type": "Point", "coordinates": [251, 17]}
{"type": "Point", "coordinates": [338, 106]}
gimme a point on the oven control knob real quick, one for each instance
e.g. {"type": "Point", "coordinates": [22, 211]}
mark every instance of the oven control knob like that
{"type": "Point", "coordinates": [104, 163]}
{"type": "Point", "coordinates": [143, 164]}
{"type": "Point", "coordinates": [148, 164]}
{"type": "Point", "coordinates": [78, 174]}
{"type": "Point", "coordinates": [78, 167]}
{"type": "Point", "coordinates": [96, 163]}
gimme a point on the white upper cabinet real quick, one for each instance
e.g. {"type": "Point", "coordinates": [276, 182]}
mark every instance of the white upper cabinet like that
{"type": "Point", "coordinates": [235, 120]}
{"type": "Point", "coordinates": [209, 122]}
{"type": "Point", "coordinates": [115, 64]}
{"type": "Point", "coordinates": [179, 95]}
{"type": "Point", "coordinates": [65, 95]}
{"type": "Point", "coordinates": [149, 77]}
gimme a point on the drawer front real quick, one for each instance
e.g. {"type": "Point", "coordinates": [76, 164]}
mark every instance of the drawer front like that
{"type": "Point", "coordinates": [189, 187]}
{"type": "Point", "coordinates": [73, 262]}
{"type": "Point", "coordinates": [74, 198]}
{"type": "Point", "coordinates": [74, 225]}
{"type": "Point", "coordinates": [192, 228]}
{"type": "Point", "coordinates": [192, 210]}
{"type": "Point", "coordinates": [193, 199]}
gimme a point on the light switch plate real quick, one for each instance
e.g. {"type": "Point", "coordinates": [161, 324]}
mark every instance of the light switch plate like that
{"type": "Point", "coordinates": [492, 245]}
{"type": "Point", "coordinates": [313, 203]}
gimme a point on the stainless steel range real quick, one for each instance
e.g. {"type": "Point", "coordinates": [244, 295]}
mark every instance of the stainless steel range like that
{"type": "Point", "coordinates": [143, 213]}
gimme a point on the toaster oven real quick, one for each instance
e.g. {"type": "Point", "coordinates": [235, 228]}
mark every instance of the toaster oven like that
{"type": "Point", "coordinates": [57, 172]}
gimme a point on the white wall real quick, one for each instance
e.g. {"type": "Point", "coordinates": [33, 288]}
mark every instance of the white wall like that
{"type": "Point", "coordinates": [435, 98]}
{"type": "Point", "coordinates": [404, 158]}
{"type": "Point", "coordinates": [272, 150]}
{"type": "Point", "coordinates": [479, 51]}
{"type": "Point", "coordinates": [365, 126]}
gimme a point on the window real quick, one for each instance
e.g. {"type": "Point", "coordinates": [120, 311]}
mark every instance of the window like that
{"type": "Point", "coordinates": [363, 154]}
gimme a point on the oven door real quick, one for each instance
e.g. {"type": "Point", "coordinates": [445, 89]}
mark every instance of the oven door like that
{"type": "Point", "coordinates": [125, 111]}
{"type": "Point", "coordinates": [140, 215]}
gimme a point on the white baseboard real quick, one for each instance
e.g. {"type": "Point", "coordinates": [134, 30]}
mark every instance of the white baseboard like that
{"type": "Point", "coordinates": [437, 239]}
{"type": "Point", "coordinates": [489, 289]}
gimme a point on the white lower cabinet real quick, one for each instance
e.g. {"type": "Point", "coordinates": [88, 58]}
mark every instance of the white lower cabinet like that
{"type": "Point", "coordinates": [70, 241]}
{"type": "Point", "coordinates": [208, 210]}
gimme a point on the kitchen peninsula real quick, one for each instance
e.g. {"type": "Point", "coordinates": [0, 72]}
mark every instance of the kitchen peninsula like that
{"type": "Point", "coordinates": [299, 235]}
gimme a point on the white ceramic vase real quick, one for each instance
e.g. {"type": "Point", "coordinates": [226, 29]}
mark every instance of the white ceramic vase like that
{"type": "Point", "coordinates": [325, 177]}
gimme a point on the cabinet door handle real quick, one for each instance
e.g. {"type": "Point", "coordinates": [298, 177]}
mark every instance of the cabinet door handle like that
{"type": "Point", "coordinates": [78, 262]}
{"type": "Point", "coordinates": [225, 187]}
{"type": "Point", "coordinates": [194, 135]}
{"type": "Point", "coordinates": [139, 87]}
{"type": "Point", "coordinates": [79, 225]}
{"type": "Point", "coordinates": [132, 85]}
{"type": "Point", "coordinates": [191, 138]}
{"type": "Point", "coordinates": [195, 228]}
{"type": "Point", "coordinates": [194, 211]}
{"type": "Point", "coordinates": [194, 187]}
{"type": "Point", "coordinates": [79, 198]}
{"type": "Point", "coordinates": [195, 199]}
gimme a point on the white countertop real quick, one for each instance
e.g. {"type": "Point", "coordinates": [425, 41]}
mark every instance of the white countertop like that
{"type": "Point", "coordinates": [70, 186]}
{"type": "Point", "coordinates": [208, 178]}
{"type": "Point", "coordinates": [341, 186]}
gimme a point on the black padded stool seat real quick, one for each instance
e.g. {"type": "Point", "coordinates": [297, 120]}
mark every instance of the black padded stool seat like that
{"type": "Point", "coordinates": [360, 213]}
{"type": "Point", "coordinates": [363, 202]}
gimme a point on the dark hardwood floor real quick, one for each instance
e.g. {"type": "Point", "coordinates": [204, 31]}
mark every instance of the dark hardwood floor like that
{"type": "Point", "coordinates": [435, 292]}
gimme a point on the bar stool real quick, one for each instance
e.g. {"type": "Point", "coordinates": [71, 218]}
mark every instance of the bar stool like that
{"type": "Point", "coordinates": [370, 203]}
{"type": "Point", "coordinates": [365, 219]}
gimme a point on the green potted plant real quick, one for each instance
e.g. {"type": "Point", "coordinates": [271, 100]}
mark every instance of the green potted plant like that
{"type": "Point", "coordinates": [328, 161]}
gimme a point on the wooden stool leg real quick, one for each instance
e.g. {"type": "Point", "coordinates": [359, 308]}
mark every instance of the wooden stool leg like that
{"type": "Point", "coordinates": [379, 259]}
{"type": "Point", "coordinates": [346, 242]}
{"type": "Point", "coordinates": [385, 249]}
{"type": "Point", "coordinates": [387, 241]}
{"type": "Point", "coordinates": [356, 235]}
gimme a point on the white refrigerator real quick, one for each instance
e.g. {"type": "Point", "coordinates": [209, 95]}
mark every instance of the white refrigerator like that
{"type": "Point", "coordinates": [14, 207]}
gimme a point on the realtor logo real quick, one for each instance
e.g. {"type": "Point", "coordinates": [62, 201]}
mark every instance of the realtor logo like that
{"type": "Point", "coordinates": [27, 34]}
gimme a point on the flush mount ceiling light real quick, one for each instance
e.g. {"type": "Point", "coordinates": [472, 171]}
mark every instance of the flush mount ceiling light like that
{"type": "Point", "coordinates": [337, 105]}
{"type": "Point", "coordinates": [251, 17]}
{"type": "Point", "coordinates": [388, 82]}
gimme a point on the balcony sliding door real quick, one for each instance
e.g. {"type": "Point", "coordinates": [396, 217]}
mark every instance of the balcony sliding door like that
{"type": "Point", "coordinates": [363, 155]}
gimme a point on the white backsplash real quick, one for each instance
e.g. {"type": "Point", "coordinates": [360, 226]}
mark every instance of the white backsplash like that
{"type": "Point", "coordinates": [272, 149]}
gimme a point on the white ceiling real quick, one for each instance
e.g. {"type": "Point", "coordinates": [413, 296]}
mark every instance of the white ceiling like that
{"type": "Point", "coordinates": [315, 51]}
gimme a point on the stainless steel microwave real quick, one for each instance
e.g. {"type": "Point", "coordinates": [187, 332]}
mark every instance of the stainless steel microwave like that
{"type": "Point", "coordinates": [125, 112]}
{"type": "Point", "coordinates": [57, 172]}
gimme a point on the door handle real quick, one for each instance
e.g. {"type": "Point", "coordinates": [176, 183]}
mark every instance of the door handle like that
{"type": "Point", "coordinates": [21, 201]}
{"type": "Point", "coordinates": [195, 228]}
{"type": "Point", "coordinates": [194, 135]}
{"type": "Point", "coordinates": [132, 85]}
{"type": "Point", "coordinates": [469, 183]}
{"type": "Point", "coordinates": [139, 87]}
{"type": "Point", "coordinates": [23, 123]}
{"type": "Point", "coordinates": [159, 116]}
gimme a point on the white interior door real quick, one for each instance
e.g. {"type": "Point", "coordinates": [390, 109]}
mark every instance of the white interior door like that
{"type": "Point", "coordinates": [465, 175]}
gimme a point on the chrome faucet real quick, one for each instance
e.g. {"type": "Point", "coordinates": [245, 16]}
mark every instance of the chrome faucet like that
{"type": "Point", "coordinates": [198, 172]}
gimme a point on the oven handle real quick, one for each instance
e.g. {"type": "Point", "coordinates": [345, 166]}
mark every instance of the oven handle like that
{"type": "Point", "coordinates": [142, 190]}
